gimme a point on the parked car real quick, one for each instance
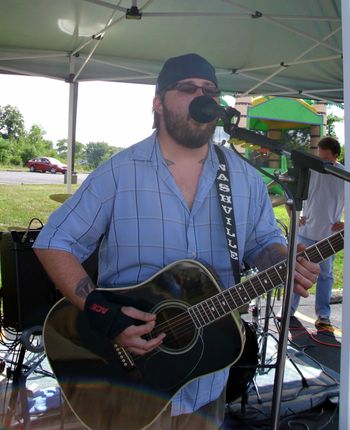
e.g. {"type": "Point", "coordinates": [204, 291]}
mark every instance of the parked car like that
{"type": "Point", "coordinates": [46, 164]}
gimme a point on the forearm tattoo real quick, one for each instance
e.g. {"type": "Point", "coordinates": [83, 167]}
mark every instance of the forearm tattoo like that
{"type": "Point", "coordinates": [84, 287]}
{"type": "Point", "coordinates": [270, 256]}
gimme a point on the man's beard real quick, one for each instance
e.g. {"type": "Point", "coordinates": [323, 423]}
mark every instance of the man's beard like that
{"type": "Point", "coordinates": [179, 128]}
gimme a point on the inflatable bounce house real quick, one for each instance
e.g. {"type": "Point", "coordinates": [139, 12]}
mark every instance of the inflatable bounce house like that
{"type": "Point", "coordinates": [275, 117]}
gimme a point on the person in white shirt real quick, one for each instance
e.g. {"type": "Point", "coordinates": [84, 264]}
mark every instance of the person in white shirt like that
{"type": "Point", "coordinates": [321, 217]}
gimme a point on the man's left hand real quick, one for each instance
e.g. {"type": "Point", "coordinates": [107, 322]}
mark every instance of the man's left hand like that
{"type": "Point", "coordinates": [306, 274]}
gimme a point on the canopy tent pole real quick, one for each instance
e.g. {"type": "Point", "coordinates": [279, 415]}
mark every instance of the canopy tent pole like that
{"type": "Point", "coordinates": [72, 121]}
{"type": "Point", "coordinates": [73, 99]}
{"type": "Point", "coordinates": [344, 411]}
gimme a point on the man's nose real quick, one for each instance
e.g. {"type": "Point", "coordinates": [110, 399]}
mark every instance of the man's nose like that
{"type": "Point", "coordinates": [200, 90]}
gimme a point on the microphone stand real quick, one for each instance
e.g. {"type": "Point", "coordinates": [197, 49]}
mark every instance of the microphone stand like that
{"type": "Point", "coordinates": [300, 193]}
{"type": "Point", "coordinates": [302, 163]}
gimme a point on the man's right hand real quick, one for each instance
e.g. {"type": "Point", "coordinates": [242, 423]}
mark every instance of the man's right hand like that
{"type": "Point", "coordinates": [131, 338]}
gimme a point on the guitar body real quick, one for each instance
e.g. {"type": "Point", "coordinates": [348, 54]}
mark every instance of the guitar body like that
{"type": "Point", "coordinates": [106, 387]}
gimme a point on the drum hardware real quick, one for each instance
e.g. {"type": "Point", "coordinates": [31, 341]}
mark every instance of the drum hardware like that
{"type": "Point", "coordinates": [264, 365]}
{"type": "Point", "coordinates": [256, 308]}
{"type": "Point", "coordinates": [277, 200]}
{"type": "Point", "coordinates": [262, 330]}
{"type": "Point", "coordinates": [285, 178]}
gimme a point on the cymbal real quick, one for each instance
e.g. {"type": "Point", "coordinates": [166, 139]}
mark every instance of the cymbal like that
{"type": "Point", "coordinates": [278, 200]}
{"type": "Point", "coordinates": [60, 198]}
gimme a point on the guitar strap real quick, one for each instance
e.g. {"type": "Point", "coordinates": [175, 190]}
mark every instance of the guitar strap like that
{"type": "Point", "coordinates": [225, 199]}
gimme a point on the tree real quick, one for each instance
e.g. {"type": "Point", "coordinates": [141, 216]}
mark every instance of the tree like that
{"type": "Point", "coordinates": [4, 151]}
{"type": "Point", "coordinates": [61, 148]}
{"type": "Point", "coordinates": [98, 152]}
{"type": "Point", "coordinates": [34, 144]}
{"type": "Point", "coordinates": [331, 120]}
{"type": "Point", "coordinates": [297, 138]}
{"type": "Point", "coordinates": [11, 123]}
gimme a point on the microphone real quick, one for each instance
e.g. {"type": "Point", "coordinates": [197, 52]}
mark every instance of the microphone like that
{"type": "Point", "coordinates": [204, 109]}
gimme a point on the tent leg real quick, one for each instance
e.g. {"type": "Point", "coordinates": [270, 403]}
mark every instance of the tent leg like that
{"type": "Point", "coordinates": [344, 410]}
{"type": "Point", "coordinates": [72, 122]}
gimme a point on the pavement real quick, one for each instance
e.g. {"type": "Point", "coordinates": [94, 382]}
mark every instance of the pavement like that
{"type": "Point", "coordinates": [321, 344]}
{"type": "Point", "coordinates": [307, 348]}
{"type": "Point", "coordinates": [21, 177]}
{"type": "Point", "coordinates": [34, 402]}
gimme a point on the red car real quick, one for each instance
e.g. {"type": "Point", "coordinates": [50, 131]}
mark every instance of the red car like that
{"type": "Point", "coordinates": [46, 164]}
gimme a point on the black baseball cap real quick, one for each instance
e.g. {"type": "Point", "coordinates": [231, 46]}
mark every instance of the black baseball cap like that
{"type": "Point", "coordinates": [183, 67]}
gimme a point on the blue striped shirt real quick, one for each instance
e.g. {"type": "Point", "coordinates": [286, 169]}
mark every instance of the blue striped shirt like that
{"type": "Point", "coordinates": [133, 201]}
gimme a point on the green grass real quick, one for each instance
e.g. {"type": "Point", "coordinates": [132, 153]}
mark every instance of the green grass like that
{"type": "Point", "coordinates": [14, 168]}
{"type": "Point", "coordinates": [20, 203]}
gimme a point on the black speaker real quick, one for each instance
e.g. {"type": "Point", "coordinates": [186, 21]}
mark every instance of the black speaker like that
{"type": "Point", "coordinates": [27, 292]}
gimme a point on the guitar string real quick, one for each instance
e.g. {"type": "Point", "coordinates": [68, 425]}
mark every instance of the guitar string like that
{"type": "Point", "coordinates": [187, 325]}
{"type": "Point", "coordinates": [184, 324]}
{"type": "Point", "coordinates": [185, 318]}
{"type": "Point", "coordinates": [237, 302]}
{"type": "Point", "coordinates": [178, 321]}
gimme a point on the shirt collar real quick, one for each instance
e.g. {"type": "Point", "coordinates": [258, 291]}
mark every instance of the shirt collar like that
{"type": "Point", "coordinates": [149, 150]}
{"type": "Point", "coordinates": [145, 150]}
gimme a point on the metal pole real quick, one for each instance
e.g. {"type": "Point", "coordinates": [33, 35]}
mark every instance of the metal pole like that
{"type": "Point", "coordinates": [344, 409]}
{"type": "Point", "coordinates": [72, 119]}
{"type": "Point", "coordinates": [283, 337]}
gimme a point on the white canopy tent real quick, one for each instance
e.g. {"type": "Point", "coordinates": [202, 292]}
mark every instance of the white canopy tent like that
{"type": "Point", "coordinates": [271, 47]}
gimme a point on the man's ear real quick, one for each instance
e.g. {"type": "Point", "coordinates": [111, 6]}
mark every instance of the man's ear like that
{"type": "Point", "coordinates": [157, 105]}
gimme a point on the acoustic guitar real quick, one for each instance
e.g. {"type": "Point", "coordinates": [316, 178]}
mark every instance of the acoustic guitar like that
{"type": "Point", "coordinates": [109, 388]}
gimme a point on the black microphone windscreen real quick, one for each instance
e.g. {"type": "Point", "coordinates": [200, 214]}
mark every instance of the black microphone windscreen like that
{"type": "Point", "coordinates": [204, 109]}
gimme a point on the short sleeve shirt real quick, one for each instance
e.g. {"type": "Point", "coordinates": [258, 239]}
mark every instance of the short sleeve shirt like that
{"type": "Point", "coordinates": [323, 206]}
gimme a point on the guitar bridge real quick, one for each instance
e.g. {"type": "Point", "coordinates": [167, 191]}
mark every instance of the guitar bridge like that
{"type": "Point", "coordinates": [124, 357]}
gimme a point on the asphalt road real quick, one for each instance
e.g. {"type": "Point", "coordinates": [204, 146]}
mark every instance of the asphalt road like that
{"type": "Point", "coordinates": [15, 178]}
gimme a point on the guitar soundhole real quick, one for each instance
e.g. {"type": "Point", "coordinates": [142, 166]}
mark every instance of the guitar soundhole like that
{"type": "Point", "coordinates": [181, 333]}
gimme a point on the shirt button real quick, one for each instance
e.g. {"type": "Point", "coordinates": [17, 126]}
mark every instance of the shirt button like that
{"type": "Point", "coordinates": [194, 254]}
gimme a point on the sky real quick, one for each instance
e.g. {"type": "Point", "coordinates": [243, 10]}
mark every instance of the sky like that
{"type": "Point", "coordinates": [118, 114]}
{"type": "Point", "coordinates": [115, 113]}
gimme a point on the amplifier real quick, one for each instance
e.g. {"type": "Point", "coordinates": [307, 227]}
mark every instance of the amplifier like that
{"type": "Point", "coordinates": [27, 291]}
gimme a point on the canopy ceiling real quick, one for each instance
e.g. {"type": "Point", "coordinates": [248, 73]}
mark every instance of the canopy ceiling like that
{"type": "Point", "coordinates": [272, 47]}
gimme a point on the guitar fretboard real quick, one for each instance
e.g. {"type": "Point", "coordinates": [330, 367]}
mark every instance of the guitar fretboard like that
{"type": "Point", "coordinates": [214, 308]}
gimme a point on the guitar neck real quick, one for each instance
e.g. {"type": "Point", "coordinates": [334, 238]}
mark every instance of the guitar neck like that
{"type": "Point", "coordinates": [216, 307]}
